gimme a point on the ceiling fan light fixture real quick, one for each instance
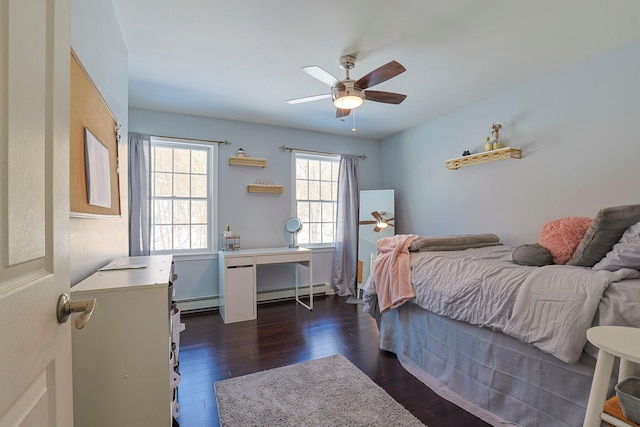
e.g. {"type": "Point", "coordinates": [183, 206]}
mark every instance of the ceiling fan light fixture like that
{"type": "Point", "coordinates": [348, 96]}
{"type": "Point", "coordinates": [348, 101]}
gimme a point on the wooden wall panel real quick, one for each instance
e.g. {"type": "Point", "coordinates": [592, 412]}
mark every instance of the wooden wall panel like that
{"type": "Point", "coordinates": [89, 110]}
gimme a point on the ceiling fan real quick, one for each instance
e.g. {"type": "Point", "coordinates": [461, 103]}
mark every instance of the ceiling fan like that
{"type": "Point", "coordinates": [348, 94]}
{"type": "Point", "coordinates": [381, 221]}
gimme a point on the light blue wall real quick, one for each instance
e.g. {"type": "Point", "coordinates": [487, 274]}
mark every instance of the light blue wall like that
{"type": "Point", "coordinates": [258, 218]}
{"type": "Point", "coordinates": [580, 135]}
{"type": "Point", "coordinates": [97, 40]}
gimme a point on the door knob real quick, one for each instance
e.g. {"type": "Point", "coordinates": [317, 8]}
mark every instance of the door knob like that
{"type": "Point", "coordinates": [66, 307]}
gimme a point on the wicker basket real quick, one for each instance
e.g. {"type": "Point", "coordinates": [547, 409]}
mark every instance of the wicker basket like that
{"type": "Point", "coordinates": [628, 392]}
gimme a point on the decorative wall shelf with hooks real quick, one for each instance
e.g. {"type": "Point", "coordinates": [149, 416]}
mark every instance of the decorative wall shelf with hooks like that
{"type": "Point", "coordinates": [247, 161]}
{"type": "Point", "coordinates": [265, 188]}
{"type": "Point", "coordinates": [484, 157]}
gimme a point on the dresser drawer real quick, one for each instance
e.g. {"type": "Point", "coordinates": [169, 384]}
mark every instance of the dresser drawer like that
{"type": "Point", "coordinates": [281, 258]}
{"type": "Point", "coordinates": [236, 261]}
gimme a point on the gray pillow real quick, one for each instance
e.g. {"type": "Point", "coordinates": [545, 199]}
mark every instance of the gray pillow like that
{"type": "Point", "coordinates": [605, 231]}
{"type": "Point", "coordinates": [533, 255]}
{"type": "Point", "coordinates": [625, 253]}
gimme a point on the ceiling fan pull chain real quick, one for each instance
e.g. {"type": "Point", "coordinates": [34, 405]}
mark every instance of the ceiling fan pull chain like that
{"type": "Point", "coordinates": [353, 121]}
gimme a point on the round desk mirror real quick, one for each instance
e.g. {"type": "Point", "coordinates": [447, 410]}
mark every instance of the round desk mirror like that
{"type": "Point", "coordinates": [293, 226]}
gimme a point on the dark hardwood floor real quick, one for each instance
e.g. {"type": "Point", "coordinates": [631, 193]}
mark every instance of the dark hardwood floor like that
{"type": "Point", "coordinates": [287, 333]}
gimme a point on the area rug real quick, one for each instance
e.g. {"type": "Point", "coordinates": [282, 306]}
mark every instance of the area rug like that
{"type": "Point", "coordinates": [325, 392]}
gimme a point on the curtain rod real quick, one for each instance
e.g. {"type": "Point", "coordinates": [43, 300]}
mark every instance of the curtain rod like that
{"type": "Point", "coordinates": [225, 142]}
{"type": "Point", "coordinates": [283, 148]}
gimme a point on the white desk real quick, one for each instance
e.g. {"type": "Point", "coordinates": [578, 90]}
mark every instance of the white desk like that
{"type": "Point", "coordinates": [613, 341]}
{"type": "Point", "coordinates": [237, 278]}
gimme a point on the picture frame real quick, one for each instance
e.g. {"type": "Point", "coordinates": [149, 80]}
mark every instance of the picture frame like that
{"type": "Point", "coordinates": [98, 174]}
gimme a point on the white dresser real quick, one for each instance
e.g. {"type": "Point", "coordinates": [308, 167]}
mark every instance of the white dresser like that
{"type": "Point", "coordinates": [123, 374]}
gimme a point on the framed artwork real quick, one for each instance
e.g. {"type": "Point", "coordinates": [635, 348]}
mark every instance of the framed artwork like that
{"type": "Point", "coordinates": [97, 171]}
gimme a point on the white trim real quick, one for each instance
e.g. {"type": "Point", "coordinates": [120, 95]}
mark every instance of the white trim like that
{"type": "Point", "coordinates": [289, 293]}
{"type": "Point", "coordinates": [212, 190]}
{"type": "Point", "coordinates": [214, 169]}
{"type": "Point", "coordinates": [263, 296]}
{"type": "Point", "coordinates": [195, 257]}
{"type": "Point", "coordinates": [73, 214]}
{"type": "Point", "coordinates": [198, 304]}
{"type": "Point", "coordinates": [326, 157]}
{"type": "Point", "coordinates": [320, 247]}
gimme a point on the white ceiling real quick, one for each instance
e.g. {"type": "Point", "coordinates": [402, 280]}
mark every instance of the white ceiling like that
{"type": "Point", "coordinates": [242, 59]}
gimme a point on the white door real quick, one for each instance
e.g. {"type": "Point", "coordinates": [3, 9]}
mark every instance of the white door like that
{"type": "Point", "coordinates": [35, 351]}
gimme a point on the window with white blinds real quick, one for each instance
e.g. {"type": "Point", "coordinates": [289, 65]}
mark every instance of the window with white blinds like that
{"type": "Point", "coordinates": [181, 196]}
{"type": "Point", "coordinates": [316, 191]}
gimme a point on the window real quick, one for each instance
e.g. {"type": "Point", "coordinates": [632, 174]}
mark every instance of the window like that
{"type": "Point", "coordinates": [316, 178]}
{"type": "Point", "coordinates": [182, 196]}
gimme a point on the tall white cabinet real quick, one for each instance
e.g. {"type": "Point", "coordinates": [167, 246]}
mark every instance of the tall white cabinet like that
{"type": "Point", "coordinates": [122, 367]}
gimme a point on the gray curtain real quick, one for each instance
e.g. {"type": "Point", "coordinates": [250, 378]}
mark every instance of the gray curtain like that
{"type": "Point", "coordinates": [345, 258]}
{"type": "Point", "coordinates": [139, 174]}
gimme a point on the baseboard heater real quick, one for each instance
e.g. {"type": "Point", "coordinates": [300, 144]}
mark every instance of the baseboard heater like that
{"type": "Point", "coordinates": [194, 305]}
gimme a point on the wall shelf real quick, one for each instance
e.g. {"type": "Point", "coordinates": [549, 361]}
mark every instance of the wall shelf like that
{"type": "Point", "coordinates": [264, 188]}
{"type": "Point", "coordinates": [247, 161]}
{"type": "Point", "coordinates": [484, 157]}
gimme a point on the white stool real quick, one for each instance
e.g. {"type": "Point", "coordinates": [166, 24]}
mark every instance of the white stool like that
{"type": "Point", "coordinates": [613, 341]}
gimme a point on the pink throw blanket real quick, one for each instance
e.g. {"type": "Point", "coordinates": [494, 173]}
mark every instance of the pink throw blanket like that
{"type": "Point", "coordinates": [392, 271]}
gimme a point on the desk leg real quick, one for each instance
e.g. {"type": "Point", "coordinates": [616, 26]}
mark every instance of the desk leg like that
{"type": "Point", "coordinates": [310, 283]}
{"type": "Point", "coordinates": [297, 294]}
{"type": "Point", "coordinates": [310, 306]}
{"type": "Point", "coordinates": [599, 386]}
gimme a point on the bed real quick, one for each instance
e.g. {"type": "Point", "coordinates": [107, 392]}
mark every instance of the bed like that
{"type": "Point", "coordinates": [507, 342]}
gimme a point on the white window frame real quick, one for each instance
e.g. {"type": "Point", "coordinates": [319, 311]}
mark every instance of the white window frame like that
{"type": "Point", "coordinates": [294, 199]}
{"type": "Point", "coordinates": [212, 192]}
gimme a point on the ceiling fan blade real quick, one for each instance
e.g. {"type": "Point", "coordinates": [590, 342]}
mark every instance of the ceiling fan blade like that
{"type": "Point", "coordinates": [386, 97]}
{"type": "Point", "coordinates": [342, 112]}
{"type": "Point", "coordinates": [377, 229]}
{"type": "Point", "coordinates": [367, 222]}
{"type": "Point", "coordinates": [321, 74]}
{"type": "Point", "coordinates": [309, 98]}
{"type": "Point", "coordinates": [380, 74]}
{"type": "Point", "coordinates": [377, 216]}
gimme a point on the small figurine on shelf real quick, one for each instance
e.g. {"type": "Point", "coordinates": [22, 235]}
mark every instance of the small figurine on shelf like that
{"type": "Point", "coordinates": [487, 145]}
{"type": "Point", "coordinates": [496, 134]}
{"type": "Point", "coordinates": [466, 153]}
{"type": "Point", "coordinates": [240, 152]}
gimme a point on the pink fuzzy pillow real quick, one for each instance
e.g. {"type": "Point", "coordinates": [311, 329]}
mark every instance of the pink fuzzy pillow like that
{"type": "Point", "coordinates": [562, 236]}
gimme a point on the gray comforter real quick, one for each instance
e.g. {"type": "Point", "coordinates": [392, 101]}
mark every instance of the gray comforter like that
{"type": "Point", "coordinates": [549, 307]}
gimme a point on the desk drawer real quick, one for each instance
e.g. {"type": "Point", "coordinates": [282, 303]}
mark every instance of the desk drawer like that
{"type": "Point", "coordinates": [280, 258]}
{"type": "Point", "coordinates": [235, 261]}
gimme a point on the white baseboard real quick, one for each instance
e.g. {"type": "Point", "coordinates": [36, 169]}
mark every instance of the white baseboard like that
{"type": "Point", "coordinates": [213, 302]}
{"type": "Point", "coordinates": [289, 293]}
{"type": "Point", "coordinates": [198, 304]}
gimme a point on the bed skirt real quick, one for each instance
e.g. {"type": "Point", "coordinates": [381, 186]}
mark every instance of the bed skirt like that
{"type": "Point", "coordinates": [493, 376]}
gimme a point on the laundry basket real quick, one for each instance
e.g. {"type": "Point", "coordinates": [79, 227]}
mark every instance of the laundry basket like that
{"type": "Point", "coordinates": [628, 392]}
